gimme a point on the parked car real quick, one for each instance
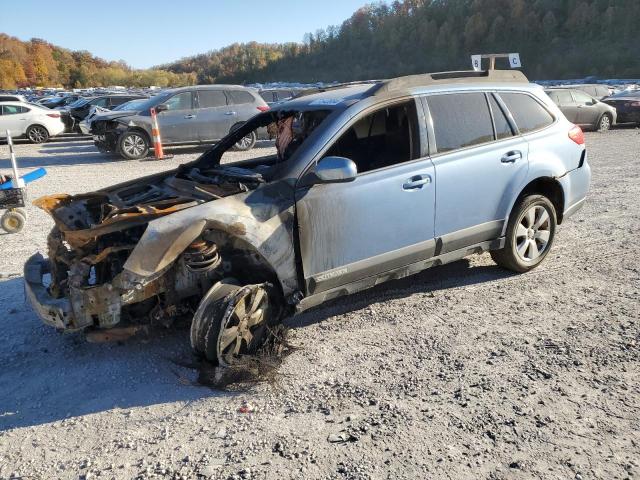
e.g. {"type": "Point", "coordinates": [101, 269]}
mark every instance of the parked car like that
{"type": "Point", "coordinates": [369, 183]}
{"type": "Point", "coordinates": [31, 121]}
{"type": "Point", "coordinates": [97, 112]}
{"type": "Point", "coordinates": [583, 109]}
{"type": "Point", "coordinates": [594, 89]}
{"type": "Point", "coordinates": [77, 111]}
{"type": "Point", "coordinates": [12, 98]}
{"type": "Point", "coordinates": [627, 104]}
{"type": "Point", "coordinates": [200, 114]}
{"type": "Point", "coordinates": [60, 101]}
{"type": "Point", "coordinates": [277, 95]}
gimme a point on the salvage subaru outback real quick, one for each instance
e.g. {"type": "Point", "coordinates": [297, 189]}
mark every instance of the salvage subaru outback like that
{"type": "Point", "coordinates": [369, 182]}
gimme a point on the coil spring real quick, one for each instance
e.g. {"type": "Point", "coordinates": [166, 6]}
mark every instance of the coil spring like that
{"type": "Point", "coordinates": [202, 257]}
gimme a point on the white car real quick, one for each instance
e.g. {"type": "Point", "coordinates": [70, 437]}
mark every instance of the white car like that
{"type": "Point", "coordinates": [29, 120]}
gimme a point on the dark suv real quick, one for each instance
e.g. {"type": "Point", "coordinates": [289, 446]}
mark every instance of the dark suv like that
{"type": "Point", "coordinates": [78, 110]}
{"type": "Point", "coordinates": [198, 114]}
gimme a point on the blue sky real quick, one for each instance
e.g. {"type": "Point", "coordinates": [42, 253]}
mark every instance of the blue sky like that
{"type": "Point", "coordinates": [146, 33]}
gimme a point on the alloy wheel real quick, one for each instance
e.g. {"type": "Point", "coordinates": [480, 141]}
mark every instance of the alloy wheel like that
{"type": "Point", "coordinates": [37, 134]}
{"type": "Point", "coordinates": [533, 233]}
{"type": "Point", "coordinates": [133, 145]}
{"type": "Point", "coordinates": [605, 122]}
{"type": "Point", "coordinates": [244, 142]}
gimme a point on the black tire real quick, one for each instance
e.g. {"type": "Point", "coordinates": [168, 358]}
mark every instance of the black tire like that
{"type": "Point", "coordinates": [133, 145]}
{"type": "Point", "coordinates": [216, 313]}
{"type": "Point", "coordinates": [519, 254]}
{"type": "Point", "coordinates": [246, 143]}
{"type": "Point", "coordinates": [37, 134]}
{"type": "Point", "coordinates": [12, 221]}
{"type": "Point", "coordinates": [604, 123]}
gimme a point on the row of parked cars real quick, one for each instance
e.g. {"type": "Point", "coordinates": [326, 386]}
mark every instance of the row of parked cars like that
{"type": "Point", "coordinates": [120, 122]}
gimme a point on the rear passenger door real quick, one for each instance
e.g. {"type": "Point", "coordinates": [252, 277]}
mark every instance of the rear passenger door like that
{"type": "Point", "coordinates": [566, 103]}
{"type": "Point", "coordinates": [214, 119]}
{"type": "Point", "coordinates": [480, 164]}
{"type": "Point", "coordinates": [588, 110]}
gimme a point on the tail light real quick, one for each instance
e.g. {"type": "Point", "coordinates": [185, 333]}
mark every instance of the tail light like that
{"type": "Point", "coordinates": [263, 108]}
{"type": "Point", "coordinates": [577, 135]}
{"type": "Point", "coordinates": [53, 115]}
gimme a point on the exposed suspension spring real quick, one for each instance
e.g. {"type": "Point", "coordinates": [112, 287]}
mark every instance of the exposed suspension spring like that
{"type": "Point", "coordinates": [202, 256]}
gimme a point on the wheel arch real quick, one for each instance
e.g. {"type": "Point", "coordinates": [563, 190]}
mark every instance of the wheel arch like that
{"type": "Point", "coordinates": [37, 124]}
{"type": "Point", "coordinates": [550, 188]}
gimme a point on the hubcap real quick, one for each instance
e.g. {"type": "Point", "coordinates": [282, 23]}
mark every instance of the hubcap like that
{"type": "Point", "coordinates": [604, 123]}
{"type": "Point", "coordinates": [133, 145]}
{"type": "Point", "coordinates": [533, 233]}
{"type": "Point", "coordinates": [244, 142]}
{"type": "Point", "coordinates": [245, 322]}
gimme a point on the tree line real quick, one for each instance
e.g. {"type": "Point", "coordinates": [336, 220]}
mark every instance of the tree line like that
{"type": "Point", "coordinates": [37, 63]}
{"type": "Point", "coordinates": [555, 38]}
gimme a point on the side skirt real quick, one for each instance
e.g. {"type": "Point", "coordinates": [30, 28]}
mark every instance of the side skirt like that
{"type": "Point", "coordinates": [401, 272]}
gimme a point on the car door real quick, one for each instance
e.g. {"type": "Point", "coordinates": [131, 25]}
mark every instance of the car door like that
{"type": "Point", "coordinates": [566, 103]}
{"type": "Point", "coordinates": [480, 163]}
{"type": "Point", "coordinates": [383, 219]}
{"type": "Point", "coordinates": [588, 109]}
{"type": "Point", "coordinates": [178, 123]}
{"type": "Point", "coordinates": [15, 119]}
{"type": "Point", "coordinates": [213, 120]}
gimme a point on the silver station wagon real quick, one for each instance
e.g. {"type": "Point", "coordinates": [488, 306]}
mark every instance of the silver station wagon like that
{"type": "Point", "coordinates": [366, 183]}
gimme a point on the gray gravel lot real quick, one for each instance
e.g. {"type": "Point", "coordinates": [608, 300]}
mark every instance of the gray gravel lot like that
{"type": "Point", "coordinates": [463, 371]}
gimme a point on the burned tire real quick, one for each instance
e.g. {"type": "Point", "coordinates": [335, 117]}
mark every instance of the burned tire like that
{"type": "Point", "coordinates": [37, 134]}
{"type": "Point", "coordinates": [231, 321]}
{"type": "Point", "coordinates": [133, 145]}
{"type": "Point", "coordinates": [530, 233]}
{"type": "Point", "coordinates": [12, 221]}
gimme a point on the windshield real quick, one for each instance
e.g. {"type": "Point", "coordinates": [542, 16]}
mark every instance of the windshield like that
{"type": "Point", "coordinates": [80, 102]}
{"type": "Point", "coordinates": [132, 105]}
{"type": "Point", "coordinates": [153, 101]}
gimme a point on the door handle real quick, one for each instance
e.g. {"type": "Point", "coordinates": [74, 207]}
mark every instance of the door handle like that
{"type": "Point", "coordinates": [511, 157]}
{"type": "Point", "coordinates": [230, 113]}
{"type": "Point", "coordinates": [416, 182]}
{"type": "Point", "coordinates": [191, 115]}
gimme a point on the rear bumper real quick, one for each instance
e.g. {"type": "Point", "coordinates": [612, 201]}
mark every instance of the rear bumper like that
{"type": "Point", "coordinates": [52, 311]}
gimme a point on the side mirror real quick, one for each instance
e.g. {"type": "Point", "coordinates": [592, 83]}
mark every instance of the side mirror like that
{"type": "Point", "coordinates": [162, 107]}
{"type": "Point", "coordinates": [335, 170]}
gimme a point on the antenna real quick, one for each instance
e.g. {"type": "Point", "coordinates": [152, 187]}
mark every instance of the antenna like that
{"type": "Point", "coordinates": [476, 60]}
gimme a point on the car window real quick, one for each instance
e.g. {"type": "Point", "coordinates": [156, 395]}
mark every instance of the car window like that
{"type": "Point", "coordinates": [502, 127]}
{"type": "Point", "coordinates": [101, 102]}
{"type": "Point", "coordinates": [212, 98]}
{"type": "Point", "coordinates": [388, 136]}
{"type": "Point", "coordinates": [180, 101]}
{"type": "Point", "coordinates": [240, 97]}
{"type": "Point", "coordinates": [115, 101]}
{"type": "Point", "coordinates": [581, 97]}
{"type": "Point", "coordinates": [284, 95]}
{"type": "Point", "coordinates": [268, 96]}
{"type": "Point", "coordinates": [10, 109]}
{"type": "Point", "coordinates": [460, 120]}
{"type": "Point", "coordinates": [564, 96]}
{"type": "Point", "coordinates": [7, 98]}
{"type": "Point", "coordinates": [528, 114]}
{"type": "Point", "coordinates": [24, 109]}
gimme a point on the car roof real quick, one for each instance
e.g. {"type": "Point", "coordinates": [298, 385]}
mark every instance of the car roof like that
{"type": "Point", "coordinates": [205, 87]}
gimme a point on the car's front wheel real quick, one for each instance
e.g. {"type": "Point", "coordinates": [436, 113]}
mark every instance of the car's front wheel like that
{"type": "Point", "coordinates": [246, 143]}
{"type": "Point", "coordinates": [37, 134]}
{"type": "Point", "coordinates": [133, 145]}
{"type": "Point", "coordinates": [530, 233]}
{"type": "Point", "coordinates": [231, 321]}
{"type": "Point", "coordinates": [604, 123]}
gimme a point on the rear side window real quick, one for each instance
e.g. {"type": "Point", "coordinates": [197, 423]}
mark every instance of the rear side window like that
{"type": "Point", "coordinates": [268, 96]}
{"type": "Point", "coordinates": [284, 95]}
{"type": "Point", "coordinates": [460, 120]}
{"type": "Point", "coordinates": [528, 113]}
{"type": "Point", "coordinates": [240, 97]}
{"type": "Point", "coordinates": [500, 122]}
{"type": "Point", "coordinates": [582, 97]}
{"type": "Point", "coordinates": [212, 98]}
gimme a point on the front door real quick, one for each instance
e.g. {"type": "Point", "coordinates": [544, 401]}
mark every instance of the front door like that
{"type": "Point", "coordinates": [566, 103]}
{"type": "Point", "coordinates": [479, 164]}
{"type": "Point", "coordinates": [382, 220]}
{"type": "Point", "coordinates": [13, 119]}
{"type": "Point", "coordinates": [178, 123]}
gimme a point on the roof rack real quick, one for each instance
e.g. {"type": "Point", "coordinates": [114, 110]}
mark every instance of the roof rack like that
{"type": "Point", "coordinates": [440, 78]}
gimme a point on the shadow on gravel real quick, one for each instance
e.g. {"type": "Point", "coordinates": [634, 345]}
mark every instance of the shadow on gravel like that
{"type": "Point", "coordinates": [75, 158]}
{"type": "Point", "coordinates": [456, 274]}
{"type": "Point", "coordinates": [46, 376]}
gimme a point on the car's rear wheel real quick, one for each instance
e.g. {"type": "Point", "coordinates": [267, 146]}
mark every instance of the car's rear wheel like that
{"type": "Point", "coordinates": [133, 145]}
{"type": "Point", "coordinates": [37, 134]}
{"type": "Point", "coordinates": [246, 143]}
{"type": "Point", "coordinates": [530, 233]}
{"type": "Point", "coordinates": [604, 123]}
{"type": "Point", "coordinates": [230, 321]}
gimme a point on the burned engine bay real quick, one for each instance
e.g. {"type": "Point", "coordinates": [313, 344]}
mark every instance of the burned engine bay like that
{"type": "Point", "coordinates": [94, 234]}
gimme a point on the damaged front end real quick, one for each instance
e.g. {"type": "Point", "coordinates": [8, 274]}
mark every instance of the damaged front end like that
{"type": "Point", "coordinates": [84, 283]}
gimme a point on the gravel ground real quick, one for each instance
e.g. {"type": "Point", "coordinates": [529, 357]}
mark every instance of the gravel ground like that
{"type": "Point", "coordinates": [462, 371]}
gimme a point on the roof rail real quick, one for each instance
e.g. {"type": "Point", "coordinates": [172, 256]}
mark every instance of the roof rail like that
{"type": "Point", "coordinates": [441, 78]}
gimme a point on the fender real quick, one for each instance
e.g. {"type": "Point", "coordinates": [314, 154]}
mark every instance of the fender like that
{"type": "Point", "coordinates": [262, 218]}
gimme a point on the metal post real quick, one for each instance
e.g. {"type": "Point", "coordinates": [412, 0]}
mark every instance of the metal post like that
{"type": "Point", "coordinates": [16, 181]}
